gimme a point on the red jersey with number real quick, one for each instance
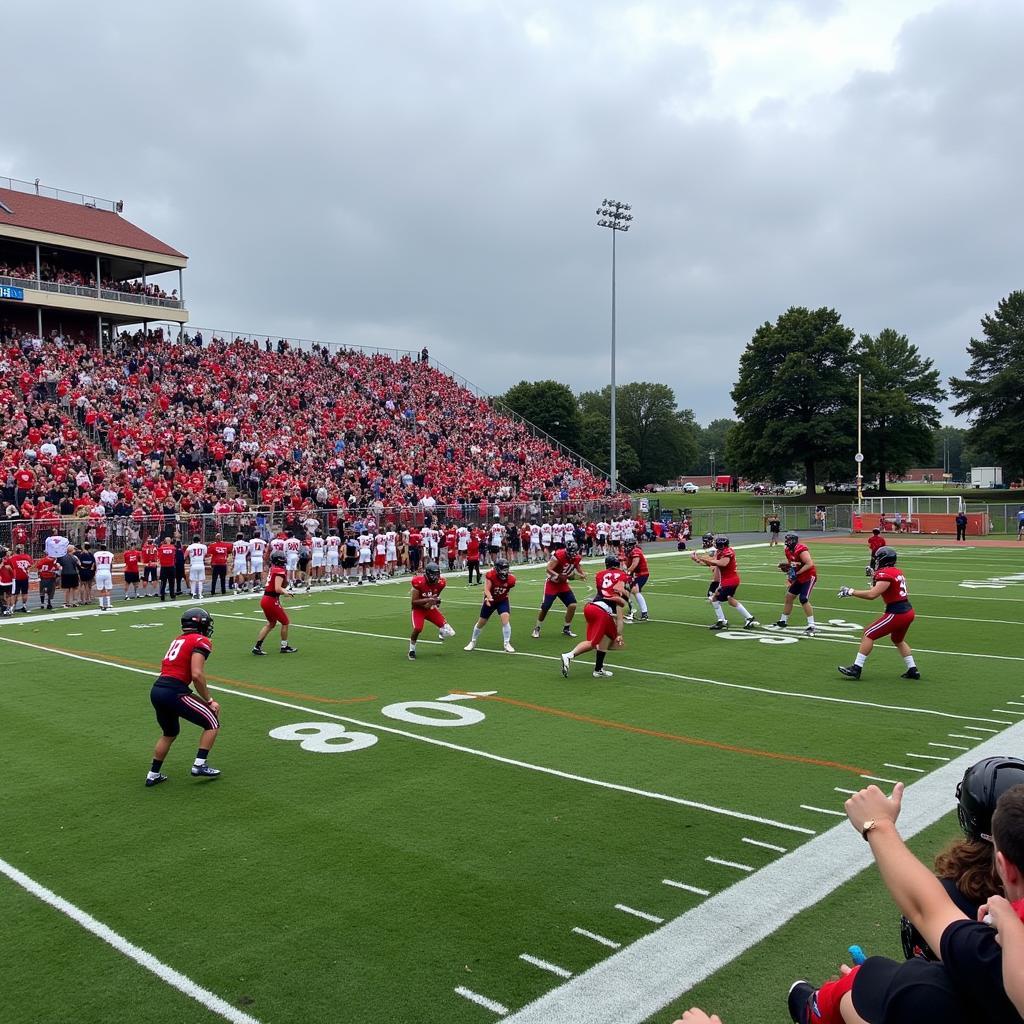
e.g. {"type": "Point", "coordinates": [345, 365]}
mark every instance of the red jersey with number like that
{"type": "Point", "coordinates": [793, 557]}
{"type": "Point", "coordinates": [150, 554]}
{"type": "Point", "coordinates": [166, 554]}
{"type": "Point", "coordinates": [728, 576]}
{"type": "Point", "coordinates": [219, 551]}
{"type": "Point", "coordinates": [641, 566]}
{"type": "Point", "coordinates": [429, 589]}
{"type": "Point", "coordinates": [875, 542]}
{"type": "Point", "coordinates": [269, 589]}
{"type": "Point", "coordinates": [21, 565]}
{"type": "Point", "coordinates": [131, 560]}
{"type": "Point", "coordinates": [896, 593]}
{"type": "Point", "coordinates": [558, 578]}
{"type": "Point", "coordinates": [177, 663]}
{"type": "Point", "coordinates": [48, 567]}
{"type": "Point", "coordinates": [607, 580]}
{"type": "Point", "coordinates": [500, 587]}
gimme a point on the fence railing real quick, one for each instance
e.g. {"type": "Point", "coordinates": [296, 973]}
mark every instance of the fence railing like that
{"type": "Point", "coordinates": [1003, 518]}
{"type": "Point", "coordinates": [87, 292]}
{"type": "Point", "coordinates": [35, 189]}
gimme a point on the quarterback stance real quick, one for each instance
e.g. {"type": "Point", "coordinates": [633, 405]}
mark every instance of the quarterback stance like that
{"type": "Point", "coordinates": [891, 585]}
{"type": "Point", "coordinates": [270, 604]}
{"type": "Point", "coordinates": [498, 584]}
{"type": "Point", "coordinates": [802, 575]}
{"type": "Point", "coordinates": [562, 566]}
{"type": "Point", "coordinates": [184, 666]}
{"type": "Point", "coordinates": [639, 574]}
{"type": "Point", "coordinates": [603, 614]}
{"type": "Point", "coordinates": [426, 599]}
{"type": "Point", "coordinates": [724, 560]}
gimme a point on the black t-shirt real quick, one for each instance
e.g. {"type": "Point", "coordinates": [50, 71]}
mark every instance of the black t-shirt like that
{"type": "Point", "coordinates": [974, 962]}
{"type": "Point", "coordinates": [68, 565]}
{"type": "Point", "coordinates": [87, 560]}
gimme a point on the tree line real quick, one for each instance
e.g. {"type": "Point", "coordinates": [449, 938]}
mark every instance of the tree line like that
{"type": "Point", "coordinates": [796, 408]}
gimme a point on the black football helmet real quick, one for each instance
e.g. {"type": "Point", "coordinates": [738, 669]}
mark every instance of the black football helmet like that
{"type": "Point", "coordinates": [628, 546]}
{"type": "Point", "coordinates": [885, 557]}
{"type": "Point", "coordinates": [572, 548]}
{"type": "Point", "coordinates": [721, 542]}
{"type": "Point", "coordinates": [432, 572]}
{"type": "Point", "coordinates": [197, 620]}
{"type": "Point", "coordinates": [708, 540]}
{"type": "Point", "coordinates": [611, 562]}
{"type": "Point", "coordinates": [277, 558]}
{"type": "Point", "coordinates": [979, 791]}
{"type": "Point", "coordinates": [792, 540]}
{"type": "Point", "coordinates": [501, 567]}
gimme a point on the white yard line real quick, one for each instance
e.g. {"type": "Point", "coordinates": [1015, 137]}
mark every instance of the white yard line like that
{"type": "Point", "coordinates": [848, 792]}
{"type": "Point", "coordinates": [544, 965]}
{"type": "Point", "coordinates": [949, 746]}
{"type": "Point", "coordinates": [610, 943]}
{"type": "Point", "coordinates": [696, 890]}
{"type": "Point", "coordinates": [979, 728]}
{"type": "Point", "coordinates": [174, 978]}
{"type": "Point", "coordinates": [822, 810]}
{"type": "Point", "coordinates": [487, 1004]}
{"type": "Point", "coordinates": [642, 914]}
{"type": "Point", "coordinates": [766, 846]}
{"type": "Point", "coordinates": [876, 778]}
{"type": "Point", "coordinates": [928, 757]}
{"type": "Point", "coordinates": [960, 736]}
{"type": "Point", "coordinates": [434, 741]}
{"type": "Point", "coordinates": [905, 767]}
{"type": "Point", "coordinates": [632, 985]}
{"type": "Point", "coordinates": [729, 864]}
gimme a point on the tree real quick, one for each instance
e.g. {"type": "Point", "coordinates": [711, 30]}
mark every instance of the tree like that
{"type": "Point", "coordinates": [549, 405]}
{"type": "Point", "coordinates": [992, 392]}
{"type": "Point", "coordinates": [795, 397]}
{"type": "Point", "coordinates": [899, 411]}
{"type": "Point", "coordinates": [948, 449]}
{"type": "Point", "coordinates": [711, 438]}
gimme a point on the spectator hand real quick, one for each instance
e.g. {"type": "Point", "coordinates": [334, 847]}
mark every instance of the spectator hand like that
{"type": "Point", "coordinates": [999, 913]}
{"type": "Point", "coordinates": [697, 1016]}
{"type": "Point", "coordinates": [845, 592]}
{"type": "Point", "coordinates": [872, 804]}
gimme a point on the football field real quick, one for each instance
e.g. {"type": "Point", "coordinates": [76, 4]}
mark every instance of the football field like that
{"type": "Point", "coordinates": [456, 838]}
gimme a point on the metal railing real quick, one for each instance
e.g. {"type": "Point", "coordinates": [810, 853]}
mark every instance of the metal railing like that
{"type": "Point", "coordinates": [87, 292]}
{"type": "Point", "coordinates": [35, 189]}
{"type": "Point", "coordinates": [307, 344]}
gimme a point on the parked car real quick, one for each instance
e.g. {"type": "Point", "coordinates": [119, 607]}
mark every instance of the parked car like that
{"type": "Point", "coordinates": [690, 488]}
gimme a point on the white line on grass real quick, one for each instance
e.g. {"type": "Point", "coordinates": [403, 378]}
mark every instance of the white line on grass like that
{"type": "Point", "coordinates": [729, 864]}
{"type": "Point", "coordinates": [876, 778]}
{"type": "Point", "coordinates": [906, 767]}
{"type": "Point", "coordinates": [928, 757]}
{"type": "Point", "coordinates": [688, 888]}
{"type": "Point", "coordinates": [632, 985]}
{"type": "Point", "coordinates": [610, 943]}
{"type": "Point", "coordinates": [544, 965]}
{"type": "Point", "coordinates": [979, 728]}
{"type": "Point", "coordinates": [949, 746]}
{"type": "Point", "coordinates": [166, 974]}
{"type": "Point", "coordinates": [433, 741]}
{"type": "Point", "coordinates": [822, 810]}
{"type": "Point", "coordinates": [1008, 711]}
{"type": "Point", "coordinates": [960, 736]}
{"type": "Point", "coordinates": [848, 792]}
{"type": "Point", "coordinates": [642, 914]}
{"type": "Point", "coordinates": [487, 1004]}
{"type": "Point", "coordinates": [1017, 702]}
{"type": "Point", "coordinates": [766, 846]}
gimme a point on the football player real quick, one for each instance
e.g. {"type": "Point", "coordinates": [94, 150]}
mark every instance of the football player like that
{"type": "Point", "coordinates": [724, 559]}
{"type": "Point", "coordinates": [184, 666]}
{"type": "Point", "coordinates": [801, 575]}
{"type": "Point", "coordinates": [639, 574]}
{"type": "Point", "coordinates": [890, 584]}
{"type": "Point", "coordinates": [875, 541]}
{"type": "Point", "coordinates": [498, 584]}
{"type": "Point", "coordinates": [270, 604]}
{"type": "Point", "coordinates": [562, 566]}
{"type": "Point", "coordinates": [426, 599]}
{"type": "Point", "coordinates": [603, 614]}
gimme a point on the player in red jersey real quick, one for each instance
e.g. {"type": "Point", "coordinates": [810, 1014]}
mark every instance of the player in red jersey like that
{"type": "Point", "coordinates": [498, 584]}
{"type": "Point", "coordinates": [49, 569]}
{"type": "Point", "coordinates": [184, 665]}
{"type": "Point", "coordinates": [891, 585]}
{"type": "Point", "coordinates": [724, 560]}
{"type": "Point", "coordinates": [875, 541]}
{"type": "Point", "coordinates": [562, 566]}
{"type": "Point", "coordinates": [275, 587]}
{"type": "Point", "coordinates": [20, 564]}
{"type": "Point", "coordinates": [603, 613]}
{"type": "Point", "coordinates": [639, 574]}
{"type": "Point", "coordinates": [150, 565]}
{"type": "Point", "coordinates": [801, 575]}
{"type": "Point", "coordinates": [6, 583]}
{"type": "Point", "coordinates": [426, 598]}
{"type": "Point", "coordinates": [132, 558]}
{"type": "Point", "coordinates": [473, 557]}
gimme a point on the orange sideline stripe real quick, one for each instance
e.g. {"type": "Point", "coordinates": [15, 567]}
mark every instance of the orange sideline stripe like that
{"type": "Point", "coordinates": [691, 740]}
{"type": "Point", "coordinates": [217, 679]}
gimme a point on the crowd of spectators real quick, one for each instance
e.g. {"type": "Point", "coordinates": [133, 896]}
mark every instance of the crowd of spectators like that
{"type": "Point", "coordinates": [65, 275]}
{"type": "Point", "coordinates": [151, 428]}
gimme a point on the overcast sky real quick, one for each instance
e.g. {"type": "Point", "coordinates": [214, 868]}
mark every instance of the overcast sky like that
{"type": "Point", "coordinates": [412, 174]}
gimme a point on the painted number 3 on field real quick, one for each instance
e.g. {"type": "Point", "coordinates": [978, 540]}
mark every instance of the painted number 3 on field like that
{"type": "Point", "coordinates": [334, 738]}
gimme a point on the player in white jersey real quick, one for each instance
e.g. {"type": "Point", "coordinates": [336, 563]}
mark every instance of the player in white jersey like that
{"type": "Point", "coordinates": [430, 541]}
{"type": "Point", "coordinates": [602, 536]}
{"type": "Point", "coordinates": [391, 552]}
{"type": "Point", "coordinates": [628, 530]}
{"type": "Point", "coordinates": [332, 544]}
{"type": "Point", "coordinates": [615, 534]}
{"type": "Point", "coordinates": [277, 545]}
{"type": "Point", "coordinates": [380, 551]}
{"type": "Point", "coordinates": [462, 542]}
{"type": "Point", "coordinates": [534, 552]}
{"type": "Point", "coordinates": [240, 558]}
{"type": "Point", "coordinates": [196, 555]}
{"type": "Point", "coordinates": [497, 541]}
{"type": "Point", "coordinates": [365, 556]}
{"type": "Point", "coordinates": [104, 576]}
{"type": "Point", "coordinates": [317, 553]}
{"type": "Point", "coordinates": [257, 548]}
{"type": "Point", "coordinates": [557, 533]}
{"type": "Point", "coordinates": [292, 547]}
{"type": "Point", "coordinates": [545, 539]}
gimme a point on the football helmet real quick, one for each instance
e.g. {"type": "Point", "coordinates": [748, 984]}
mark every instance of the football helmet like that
{"type": "Point", "coordinates": [572, 548]}
{"type": "Point", "coordinates": [628, 546]}
{"type": "Point", "coordinates": [721, 542]}
{"type": "Point", "coordinates": [197, 620]}
{"type": "Point", "coordinates": [708, 540]}
{"type": "Point", "coordinates": [979, 791]}
{"type": "Point", "coordinates": [792, 540]}
{"type": "Point", "coordinates": [277, 558]}
{"type": "Point", "coordinates": [501, 567]}
{"type": "Point", "coordinates": [432, 572]}
{"type": "Point", "coordinates": [611, 562]}
{"type": "Point", "coordinates": [885, 557]}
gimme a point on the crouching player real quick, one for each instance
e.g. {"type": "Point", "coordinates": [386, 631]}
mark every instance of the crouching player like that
{"type": "Point", "coordinates": [275, 587]}
{"type": "Point", "coordinates": [498, 584]}
{"type": "Point", "coordinates": [184, 665]}
{"type": "Point", "coordinates": [603, 614]}
{"type": "Point", "coordinates": [426, 599]}
{"type": "Point", "coordinates": [891, 585]}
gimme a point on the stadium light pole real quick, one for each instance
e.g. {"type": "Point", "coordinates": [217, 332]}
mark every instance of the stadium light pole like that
{"type": "Point", "coordinates": [616, 216]}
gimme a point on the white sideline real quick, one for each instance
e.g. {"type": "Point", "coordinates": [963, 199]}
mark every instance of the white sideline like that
{"type": "Point", "coordinates": [630, 986]}
{"type": "Point", "coordinates": [166, 974]}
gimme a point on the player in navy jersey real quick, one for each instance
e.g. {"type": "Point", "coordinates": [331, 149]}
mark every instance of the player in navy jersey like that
{"type": "Point", "coordinates": [498, 584]}
{"type": "Point", "coordinates": [184, 666]}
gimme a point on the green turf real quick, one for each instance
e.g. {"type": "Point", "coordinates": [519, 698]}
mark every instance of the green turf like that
{"type": "Point", "coordinates": [367, 884]}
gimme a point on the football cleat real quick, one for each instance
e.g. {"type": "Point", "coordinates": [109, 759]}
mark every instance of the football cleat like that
{"type": "Point", "coordinates": [205, 771]}
{"type": "Point", "coordinates": [565, 659]}
{"type": "Point", "coordinates": [644, 617]}
{"type": "Point", "coordinates": [809, 631]}
{"type": "Point", "coordinates": [536, 633]}
{"type": "Point", "coordinates": [509, 649]}
{"type": "Point", "coordinates": [911, 673]}
{"type": "Point", "coordinates": [567, 631]}
{"type": "Point", "coordinates": [602, 673]}
{"type": "Point", "coordinates": [801, 994]}
{"type": "Point", "coordinates": [470, 646]}
{"type": "Point", "coordinates": [156, 782]}
{"type": "Point", "coordinates": [445, 631]}
{"type": "Point", "coordinates": [288, 649]}
{"type": "Point", "coordinates": [751, 623]}
{"type": "Point", "coordinates": [258, 651]}
{"type": "Point", "coordinates": [412, 655]}
{"type": "Point", "coordinates": [719, 625]}
{"type": "Point", "coordinates": [781, 624]}
{"type": "Point", "coordinates": [629, 618]}
{"type": "Point", "coordinates": [853, 671]}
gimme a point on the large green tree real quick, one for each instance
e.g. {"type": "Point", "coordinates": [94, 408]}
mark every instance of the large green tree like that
{"type": "Point", "coordinates": [795, 397]}
{"type": "Point", "coordinates": [712, 438]}
{"type": "Point", "coordinates": [901, 389]}
{"type": "Point", "coordinates": [549, 405]}
{"type": "Point", "coordinates": [947, 451]}
{"type": "Point", "coordinates": [991, 394]}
